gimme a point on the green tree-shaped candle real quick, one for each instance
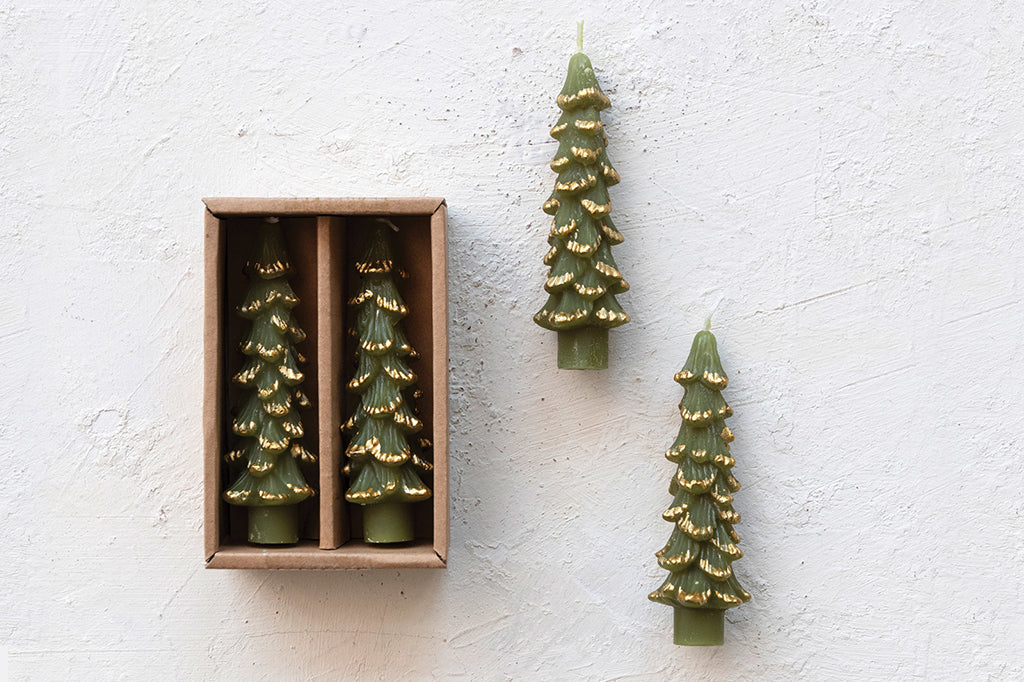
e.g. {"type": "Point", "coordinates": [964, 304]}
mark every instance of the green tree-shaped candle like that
{"type": "Point", "coordinates": [702, 547]}
{"type": "Point", "coordinates": [271, 483]}
{"type": "Point", "coordinates": [583, 278]}
{"type": "Point", "coordinates": [383, 466]}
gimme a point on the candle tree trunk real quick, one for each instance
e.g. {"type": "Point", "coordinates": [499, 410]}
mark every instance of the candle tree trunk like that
{"type": "Point", "coordinates": [583, 348]}
{"type": "Point", "coordinates": [698, 627]}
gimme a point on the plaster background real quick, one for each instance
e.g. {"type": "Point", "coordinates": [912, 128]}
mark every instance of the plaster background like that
{"type": "Point", "coordinates": [842, 179]}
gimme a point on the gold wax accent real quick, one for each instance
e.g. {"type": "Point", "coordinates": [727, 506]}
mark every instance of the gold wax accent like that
{"type": "Point", "coordinates": [614, 236]}
{"type": "Point", "coordinates": [379, 267]}
{"type": "Point", "coordinates": [695, 418]}
{"type": "Point", "coordinates": [588, 126]}
{"type": "Point", "coordinates": [273, 445]}
{"type": "Point", "coordinates": [377, 410]}
{"type": "Point", "coordinates": [683, 375]}
{"type": "Point", "coordinates": [267, 392]}
{"type": "Point", "coordinates": [591, 94]}
{"type": "Point", "coordinates": [728, 515]}
{"type": "Point", "coordinates": [695, 532]}
{"type": "Point", "coordinates": [715, 380]}
{"type": "Point", "coordinates": [611, 316]}
{"type": "Point", "coordinates": [558, 129]}
{"type": "Point", "coordinates": [731, 549]}
{"type": "Point", "coordinates": [589, 292]}
{"type": "Point", "coordinates": [256, 468]}
{"type": "Point", "coordinates": [376, 347]}
{"type": "Point", "coordinates": [302, 454]}
{"type": "Point", "coordinates": [559, 280]}
{"type": "Point", "coordinates": [724, 461]}
{"type": "Point", "coordinates": [563, 230]}
{"type": "Point", "coordinates": [278, 409]}
{"type": "Point", "coordinates": [699, 456]}
{"type": "Point", "coordinates": [409, 422]}
{"type": "Point", "coordinates": [677, 562]}
{"type": "Point", "coordinates": [422, 464]}
{"type": "Point", "coordinates": [559, 164]}
{"type": "Point", "coordinates": [608, 271]}
{"type": "Point", "coordinates": [550, 256]}
{"type": "Point", "coordinates": [610, 174]}
{"type": "Point", "coordinates": [584, 155]}
{"type": "Point", "coordinates": [392, 305]}
{"type": "Point", "coordinates": [577, 185]}
{"type": "Point", "coordinates": [673, 513]}
{"type": "Point", "coordinates": [721, 498]}
{"type": "Point", "coordinates": [698, 598]}
{"type": "Point", "coordinates": [728, 598]}
{"type": "Point", "coordinates": [582, 249]}
{"type": "Point", "coordinates": [562, 318]}
{"type": "Point", "coordinates": [290, 374]}
{"type": "Point", "coordinates": [293, 429]}
{"type": "Point", "coordinates": [245, 376]}
{"type": "Point", "coordinates": [244, 429]}
{"type": "Point", "coordinates": [399, 375]}
{"type": "Point", "coordinates": [596, 209]}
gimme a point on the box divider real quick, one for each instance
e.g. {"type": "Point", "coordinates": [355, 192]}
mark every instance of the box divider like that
{"type": "Point", "coordinates": [330, 328]}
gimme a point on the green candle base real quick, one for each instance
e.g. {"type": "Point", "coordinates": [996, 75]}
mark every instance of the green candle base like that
{"type": "Point", "coordinates": [699, 627]}
{"type": "Point", "coordinates": [274, 525]}
{"type": "Point", "coordinates": [387, 522]}
{"type": "Point", "coordinates": [583, 348]}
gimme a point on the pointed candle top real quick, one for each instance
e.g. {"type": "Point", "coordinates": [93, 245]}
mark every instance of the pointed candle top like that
{"type": "Point", "coordinates": [707, 323]}
{"type": "Point", "coordinates": [579, 36]}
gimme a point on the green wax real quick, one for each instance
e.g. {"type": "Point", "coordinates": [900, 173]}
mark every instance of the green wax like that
{"type": "Point", "coordinates": [274, 525]}
{"type": "Point", "coordinates": [698, 556]}
{"type": "Point", "coordinates": [386, 448]}
{"type": "Point", "coordinates": [264, 462]}
{"type": "Point", "coordinates": [583, 277]}
{"type": "Point", "coordinates": [583, 348]}
{"type": "Point", "coordinates": [387, 522]}
{"type": "Point", "coordinates": [699, 627]}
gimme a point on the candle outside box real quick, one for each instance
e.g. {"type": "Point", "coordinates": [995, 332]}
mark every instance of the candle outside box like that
{"type": "Point", "coordinates": [323, 236]}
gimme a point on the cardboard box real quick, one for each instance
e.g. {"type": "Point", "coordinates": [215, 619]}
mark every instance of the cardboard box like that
{"type": "Point", "coordinates": [322, 235]}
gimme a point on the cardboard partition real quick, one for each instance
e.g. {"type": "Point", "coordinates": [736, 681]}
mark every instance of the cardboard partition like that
{"type": "Point", "coordinates": [323, 235]}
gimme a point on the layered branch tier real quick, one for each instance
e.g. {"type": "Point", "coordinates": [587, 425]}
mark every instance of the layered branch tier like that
{"type": "Point", "coordinates": [384, 454]}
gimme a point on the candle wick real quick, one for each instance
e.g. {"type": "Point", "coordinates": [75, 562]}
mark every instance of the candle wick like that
{"type": "Point", "coordinates": [707, 320]}
{"type": "Point", "coordinates": [579, 36]}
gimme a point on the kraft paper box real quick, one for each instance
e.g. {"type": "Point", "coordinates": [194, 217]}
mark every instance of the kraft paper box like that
{"type": "Point", "coordinates": [322, 236]}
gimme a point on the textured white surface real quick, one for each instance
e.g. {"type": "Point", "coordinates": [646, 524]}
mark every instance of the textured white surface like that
{"type": "Point", "coordinates": [844, 176]}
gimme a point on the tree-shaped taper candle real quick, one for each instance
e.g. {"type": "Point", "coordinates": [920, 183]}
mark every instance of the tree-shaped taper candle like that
{"type": "Point", "coordinates": [271, 483]}
{"type": "Point", "coordinates": [702, 547]}
{"type": "Point", "coordinates": [583, 278]}
{"type": "Point", "coordinates": [384, 465]}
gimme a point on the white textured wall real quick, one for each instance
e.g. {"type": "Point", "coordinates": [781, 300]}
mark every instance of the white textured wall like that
{"type": "Point", "coordinates": [844, 175]}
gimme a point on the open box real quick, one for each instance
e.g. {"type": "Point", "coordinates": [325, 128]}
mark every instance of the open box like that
{"type": "Point", "coordinates": [322, 235]}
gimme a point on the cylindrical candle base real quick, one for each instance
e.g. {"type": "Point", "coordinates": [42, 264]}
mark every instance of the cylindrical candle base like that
{"type": "Point", "coordinates": [699, 627]}
{"type": "Point", "coordinates": [387, 522]}
{"type": "Point", "coordinates": [583, 348]}
{"type": "Point", "coordinates": [277, 525]}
